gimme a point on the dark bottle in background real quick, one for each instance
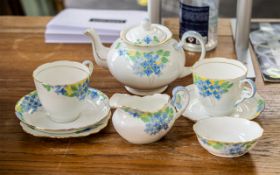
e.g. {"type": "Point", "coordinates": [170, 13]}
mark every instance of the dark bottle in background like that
{"type": "Point", "coordinates": [200, 16]}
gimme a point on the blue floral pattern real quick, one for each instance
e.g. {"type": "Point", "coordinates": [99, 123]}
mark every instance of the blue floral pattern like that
{"type": "Point", "coordinates": [154, 122]}
{"type": "Point", "coordinates": [229, 149]}
{"type": "Point", "coordinates": [147, 40]}
{"type": "Point", "coordinates": [29, 103]}
{"type": "Point", "coordinates": [78, 90]}
{"type": "Point", "coordinates": [214, 88]}
{"type": "Point", "coordinates": [145, 63]}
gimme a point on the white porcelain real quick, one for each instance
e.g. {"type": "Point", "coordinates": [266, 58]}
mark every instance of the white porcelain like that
{"type": "Point", "coordinates": [62, 88]}
{"type": "Point", "coordinates": [249, 109]}
{"type": "Point", "coordinates": [30, 111]}
{"type": "Point", "coordinates": [227, 136]}
{"type": "Point", "coordinates": [142, 120]}
{"type": "Point", "coordinates": [151, 103]}
{"type": "Point", "coordinates": [82, 133]}
{"type": "Point", "coordinates": [219, 83]}
{"type": "Point", "coordinates": [145, 58]}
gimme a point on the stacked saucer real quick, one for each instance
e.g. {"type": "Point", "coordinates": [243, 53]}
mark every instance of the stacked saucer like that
{"type": "Point", "coordinates": [35, 120]}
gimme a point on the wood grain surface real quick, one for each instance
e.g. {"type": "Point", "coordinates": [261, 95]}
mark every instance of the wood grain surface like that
{"type": "Point", "coordinates": [22, 49]}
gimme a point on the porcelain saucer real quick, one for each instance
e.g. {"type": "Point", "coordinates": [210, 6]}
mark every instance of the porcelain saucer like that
{"type": "Point", "coordinates": [82, 133]}
{"type": "Point", "coordinates": [249, 109]}
{"type": "Point", "coordinates": [30, 111]}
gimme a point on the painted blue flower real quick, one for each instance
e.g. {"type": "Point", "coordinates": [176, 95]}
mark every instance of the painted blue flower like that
{"type": "Point", "coordinates": [148, 71]}
{"type": "Point", "coordinates": [93, 94]}
{"type": "Point", "coordinates": [207, 93]}
{"type": "Point", "coordinates": [217, 87]}
{"type": "Point", "coordinates": [145, 64]}
{"type": "Point", "coordinates": [204, 87]}
{"type": "Point", "coordinates": [156, 57]}
{"type": "Point", "coordinates": [30, 104]}
{"type": "Point", "coordinates": [82, 92]}
{"type": "Point", "coordinates": [60, 90]}
{"type": "Point", "coordinates": [211, 87]}
{"type": "Point", "coordinates": [235, 149]}
{"type": "Point", "coordinates": [156, 69]}
{"type": "Point", "coordinates": [147, 39]}
{"type": "Point", "coordinates": [151, 61]}
{"type": "Point", "coordinates": [158, 122]}
{"type": "Point", "coordinates": [207, 82]}
{"type": "Point", "coordinates": [134, 114]}
{"type": "Point", "coordinates": [208, 88]}
{"type": "Point", "coordinates": [122, 52]}
{"type": "Point", "coordinates": [148, 55]}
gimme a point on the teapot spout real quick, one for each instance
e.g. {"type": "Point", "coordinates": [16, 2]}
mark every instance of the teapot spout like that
{"type": "Point", "coordinates": [99, 51]}
{"type": "Point", "coordinates": [180, 99]}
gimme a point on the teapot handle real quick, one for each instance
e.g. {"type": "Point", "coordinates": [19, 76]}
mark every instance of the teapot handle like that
{"type": "Point", "coordinates": [188, 70]}
{"type": "Point", "coordinates": [180, 99]}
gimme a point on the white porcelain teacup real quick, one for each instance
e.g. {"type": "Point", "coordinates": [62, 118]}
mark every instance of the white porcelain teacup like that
{"type": "Point", "coordinates": [62, 87]}
{"type": "Point", "coordinates": [219, 83]}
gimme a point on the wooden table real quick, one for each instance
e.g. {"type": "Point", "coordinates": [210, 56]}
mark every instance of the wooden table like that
{"type": "Point", "coordinates": [22, 49]}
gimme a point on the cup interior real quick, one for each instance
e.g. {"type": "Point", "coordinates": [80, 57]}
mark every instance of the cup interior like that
{"type": "Point", "coordinates": [228, 129]}
{"type": "Point", "coordinates": [219, 68]}
{"type": "Point", "coordinates": [61, 73]}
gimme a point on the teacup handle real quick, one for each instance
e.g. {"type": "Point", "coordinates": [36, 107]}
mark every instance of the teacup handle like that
{"type": "Point", "coordinates": [188, 70]}
{"type": "Point", "coordinates": [89, 64]}
{"type": "Point", "coordinates": [245, 96]}
{"type": "Point", "coordinates": [180, 99]}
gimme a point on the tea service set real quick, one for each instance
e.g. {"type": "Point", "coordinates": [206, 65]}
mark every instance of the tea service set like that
{"type": "Point", "coordinates": [146, 58]}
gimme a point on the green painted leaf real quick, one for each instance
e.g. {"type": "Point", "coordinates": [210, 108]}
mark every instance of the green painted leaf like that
{"type": "Point", "coordinates": [132, 58]}
{"type": "Point", "coordinates": [218, 145]}
{"type": "Point", "coordinates": [156, 39]}
{"type": "Point", "coordinates": [164, 60]}
{"type": "Point", "coordinates": [48, 87]}
{"type": "Point", "coordinates": [230, 85]}
{"type": "Point", "coordinates": [159, 52]}
{"type": "Point", "coordinates": [74, 87]}
{"type": "Point", "coordinates": [145, 119]}
{"type": "Point", "coordinates": [118, 45]}
{"type": "Point", "coordinates": [166, 53]}
{"type": "Point", "coordinates": [138, 54]}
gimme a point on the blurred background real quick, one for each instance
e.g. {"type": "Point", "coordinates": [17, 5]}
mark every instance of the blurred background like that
{"type": "Point", "coordinates": [261, 8]}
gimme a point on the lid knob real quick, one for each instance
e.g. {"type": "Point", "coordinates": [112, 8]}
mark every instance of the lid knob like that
{"type": "Point", "coordinates": [146, 24]}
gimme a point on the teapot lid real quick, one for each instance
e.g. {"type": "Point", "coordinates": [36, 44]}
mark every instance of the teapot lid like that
{"type": "Point", "coordinates": [146, 34]}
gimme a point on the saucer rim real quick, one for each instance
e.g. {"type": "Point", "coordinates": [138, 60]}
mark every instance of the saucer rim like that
{"type": "Point", "coordinates": [68, 129]}
{"type": "Point", "coordinates": [43, 134]}
{"type": "Point", "coordinates": [191, 87]}
{"type": "Point", "coordinates": [75, 130]}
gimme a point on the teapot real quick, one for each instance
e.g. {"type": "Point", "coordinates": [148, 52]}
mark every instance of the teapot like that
{"type": "Point", "coordinates": [142, 120]}
{"type": "Point", "coordinates": [145, 58]}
